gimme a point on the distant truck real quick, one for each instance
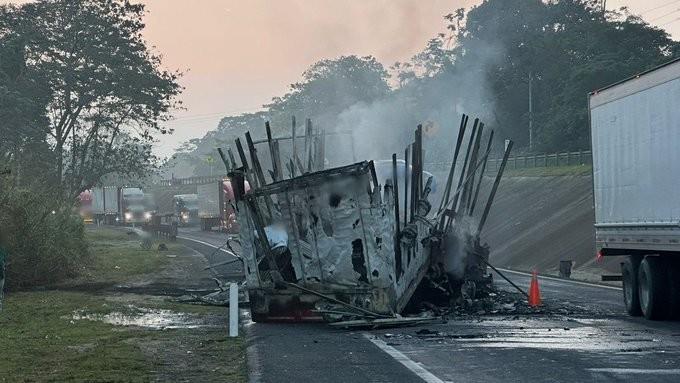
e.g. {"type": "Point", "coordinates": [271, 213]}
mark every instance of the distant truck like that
{"type": "Point", "coordinates": [215, 206]}
{"type": "Point", "coordinates": [186, 208]}
{"type": "Point", "coordinates": [635, 128]}
{"type": "Point", "coordinates": [116, 205]}
{"type": "Point", "coordinates": [105, 204]}
{"type": "Point", "coordinates": [133, 206]}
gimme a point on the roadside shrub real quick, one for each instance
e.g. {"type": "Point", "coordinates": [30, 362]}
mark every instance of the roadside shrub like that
{"type": "Point", "coordinates": [44, 239]}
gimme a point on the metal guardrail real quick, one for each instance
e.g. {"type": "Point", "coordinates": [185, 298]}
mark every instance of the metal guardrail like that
{"type": "Point", "coordinates": [200, 180]}
{"type": "Point", "coordinates": [582, 157]}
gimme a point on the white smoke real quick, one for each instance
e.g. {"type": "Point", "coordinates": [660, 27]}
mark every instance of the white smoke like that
{"type": "Point", "coordinates": [387, 125]}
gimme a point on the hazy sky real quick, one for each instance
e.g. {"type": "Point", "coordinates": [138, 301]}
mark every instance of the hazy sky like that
{"type": "Point", "coordinates": [238, 54]}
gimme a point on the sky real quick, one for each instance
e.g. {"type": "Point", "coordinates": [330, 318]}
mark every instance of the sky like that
{"type": "Point", "coordinates": [238, 54]}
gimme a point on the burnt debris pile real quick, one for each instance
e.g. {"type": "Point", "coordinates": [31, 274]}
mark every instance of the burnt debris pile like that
{"type": "Point", "coordinates": [364, 241]}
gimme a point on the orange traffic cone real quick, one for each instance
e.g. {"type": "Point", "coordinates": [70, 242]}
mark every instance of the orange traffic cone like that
{"type": "Point", "coordinates": [534, 292]}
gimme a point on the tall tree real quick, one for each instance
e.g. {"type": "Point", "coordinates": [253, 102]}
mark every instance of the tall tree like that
{"type": "Point", "coordinates": [108, 91]}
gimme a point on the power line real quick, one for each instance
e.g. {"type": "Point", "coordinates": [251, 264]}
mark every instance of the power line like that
{"type": "Point", "coordinates": [664, 15]}
{"type": "Point", "coordinates": [659, 7]}
{"type": "Point", "coordinates": [670, 22]}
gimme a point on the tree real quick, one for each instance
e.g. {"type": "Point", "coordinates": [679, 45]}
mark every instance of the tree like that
{"type": "Point", "coordinates": [107, 90]}
{"type": "Point", "coordinates": [330, 86]}
{"type": "Point", "coordinates": [568, 47]}
{"type": "Point", "coordinates": [326, 89]}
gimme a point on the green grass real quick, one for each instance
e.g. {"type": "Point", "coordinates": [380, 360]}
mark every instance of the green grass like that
{"type": "Point", "coordinates": [573, 170]}
{"type": "Point", "coordinates": [41, 341]}
{"type": "Point", "coordinates": [116, 256]}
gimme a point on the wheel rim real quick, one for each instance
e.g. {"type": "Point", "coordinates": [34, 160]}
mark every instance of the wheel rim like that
{"type": "Point", "coordinates": [644, 289]}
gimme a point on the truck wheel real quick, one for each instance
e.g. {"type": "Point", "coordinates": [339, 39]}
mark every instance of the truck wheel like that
{"type": "Point", "coordinates": [653, 288]}
{"type": "Point", "coordinates": [259, 307]}
{"type": "Point", "coordinates": [674, 280]}
{"type": "Point", "coordinates": [631, 299]}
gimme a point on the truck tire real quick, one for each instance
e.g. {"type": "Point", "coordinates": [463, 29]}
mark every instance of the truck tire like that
{"type": "Point", "coordinates": [259, 307]}
{"type": "Point", "coordinates": [653, 288]}
{"type": "Point", "coordinates": [631, 299]}
{"type": "Point", "coordinates": [674, 280]}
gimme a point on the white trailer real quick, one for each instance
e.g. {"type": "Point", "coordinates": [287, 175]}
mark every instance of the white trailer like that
{"type": "Point", "coordinates": [105, 204]}
{"type": "Point", "coordinates": [635, 128]}
{"type": "Point", "coordinates": [210, 199]}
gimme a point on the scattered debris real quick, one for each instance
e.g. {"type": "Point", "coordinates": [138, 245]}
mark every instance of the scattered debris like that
{"type": "Point", "coordinates": [383, 322]}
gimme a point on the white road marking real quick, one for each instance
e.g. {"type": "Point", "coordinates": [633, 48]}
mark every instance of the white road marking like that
{"type": "Point", "coordinates": [415, 367]}
{"type": "Point", "coordinates": [570, 281]}
{"type": "Point", "coordinates": [670, 371]}
{"type": "Point", "coordinates": [206, 244]}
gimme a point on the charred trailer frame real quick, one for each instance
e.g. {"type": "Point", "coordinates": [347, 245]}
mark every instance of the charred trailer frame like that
{"type": "Point", "coordinates": [341, 240]}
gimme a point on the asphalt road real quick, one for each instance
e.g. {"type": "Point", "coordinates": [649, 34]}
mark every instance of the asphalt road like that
{"type": "Point", "coordinates": [582, 335]}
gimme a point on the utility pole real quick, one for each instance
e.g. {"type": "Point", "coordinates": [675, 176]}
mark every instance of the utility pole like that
{"type": "Point", "coordinates": [531, 112]}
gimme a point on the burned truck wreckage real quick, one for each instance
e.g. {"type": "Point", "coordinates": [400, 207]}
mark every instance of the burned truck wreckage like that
{"type": "Point", "coordinates": [340, 244]}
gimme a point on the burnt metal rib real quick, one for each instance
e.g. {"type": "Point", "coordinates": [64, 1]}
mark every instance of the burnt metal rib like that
{"type": "Point", "coordinates": [482, 220]}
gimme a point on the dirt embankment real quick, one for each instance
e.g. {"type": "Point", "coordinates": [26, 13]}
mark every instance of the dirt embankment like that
{"type": "Point", "coordinates": [537, 221]}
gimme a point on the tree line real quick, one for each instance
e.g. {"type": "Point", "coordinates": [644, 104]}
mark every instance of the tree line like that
{"type": "Point", "coordinates": [483, 64]}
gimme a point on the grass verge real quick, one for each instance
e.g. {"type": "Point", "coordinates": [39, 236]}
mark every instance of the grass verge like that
{"type": "Point", "coordinates": [82, 336]}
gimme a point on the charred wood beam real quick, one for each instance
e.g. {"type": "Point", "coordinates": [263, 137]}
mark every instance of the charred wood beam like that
{"type": "Point", "coordinates": [244, 163]}
{"type": "Point", "coordinates": [309, 144]}
{"type": "Point", "coordinates": [293, 126]}
{"type": "Point", "coordinates": [412, 198]}
{"type": "Point", "coordinates": [465, 164]}
{"type": "Point", "coordinates": [259, 224]}
{"type": "Point", "coordinates": [450, 213]}
{"type": "Point", "coordinates": [232, 158]}
{"type": "Point", "coordinates": [321, 150]}
{"type": "Point", "coordinates": [276, 170]}
{"type": "Point", "coordinates": [481, 175]}
{"type": "Point", "coordinates": [225, 161]}
{"type": "Point", "coordinates": [496, 182]}
{"type": "Point", "coordinates": [406, 173]}
{"type": "Point", "coordinates": [449, 181]}
{"type": "Point", "coordinates": [467, 191]}
{"type": "Point", "coordinates": [257, 168]}
{"type": "Point", "coordinates": [241, 154]}
{"type": "Point", "coordinates": [397, 231]}
{"type": "Point", "coordinates": [419, 158]}
{"type": "Point", "coordinates": [277, 156]}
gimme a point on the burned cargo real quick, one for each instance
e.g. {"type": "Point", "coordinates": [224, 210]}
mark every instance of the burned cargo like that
{"type": "Point", "coordinates": [341, 243]}
{"type": "Point", "coordinates": [338, 227]}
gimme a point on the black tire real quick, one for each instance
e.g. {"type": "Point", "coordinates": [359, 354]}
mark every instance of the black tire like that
{"type": "Point", "coordinates": [259, 307]}
{"type": "Point", "coordinates": [674, 281]}
{"type": "Point", "coordinates": [653, 288]}
{"type": "Point", "coordinates": [631, 299]}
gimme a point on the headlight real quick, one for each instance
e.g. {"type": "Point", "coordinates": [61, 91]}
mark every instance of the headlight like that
{"type": "Point", "coordinates": [128, 216]}
{"type": "Point", "coordinates": [147, 215]}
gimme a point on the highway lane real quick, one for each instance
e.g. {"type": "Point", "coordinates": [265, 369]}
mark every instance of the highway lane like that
{"type": "Point", "coordinates": [596, 342]}
{"type": "Point", "coordinates": [583, 335]}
